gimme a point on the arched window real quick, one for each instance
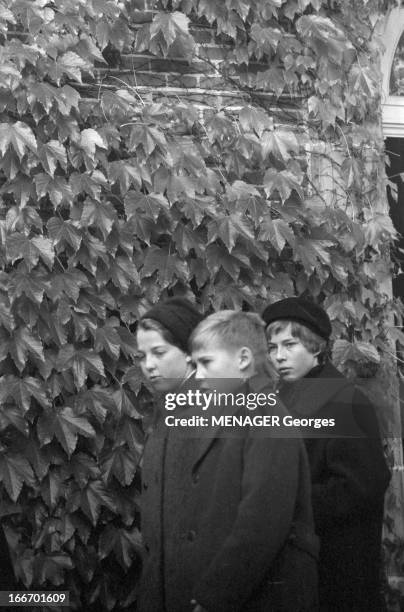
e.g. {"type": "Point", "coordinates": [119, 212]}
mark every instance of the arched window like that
{"type": "Point", "coordinates": [393, 75]}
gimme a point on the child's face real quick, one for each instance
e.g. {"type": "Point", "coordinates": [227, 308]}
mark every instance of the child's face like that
{"type": "Point", "coordinates": [217, 362]}
{"type": "Point", "coordinates": [290, 357]}
{"type": "Point", "coordinates": [162, 363]}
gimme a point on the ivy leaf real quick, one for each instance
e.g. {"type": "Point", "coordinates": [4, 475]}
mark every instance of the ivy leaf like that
{"type": "Point", "coordinates": [45, 250]}
{"type": "Point", "coordinates": [22, 390]}
{"type": "Point", "coordinates": [240, 190]}
{"type": "Point", "coordinates": [197, 208]}
{"type": "Point", "coordinates": [71, 64]}
{"type": "Point", "coordinates": [124, 402]}
{"type": "Point", "coordinates": [264, 40]}
{"type": "Point", "coordinates": [126, 173]}
{"type": "Point", "coordinates": [131, 432]}
{"type": "Point", "coordinates": [107, 338]}
{"type": "Point", "coordinates": [88, 183]}
{"type": "Point", "coordinates": [229, 228]}
{"type": "Point", "coordinates": [344, 351]}
{"type": "Point", "coordinates": [63, 232]}
{"type": "Point", "coordinates": [18, 136]}
{"type": "Point", "coordinates": [121, 463]}
{"type": "Point", "coordinates": [47, 95]}
{"type": "Point", "coordinates": [279, 143]}
{"type": "Point", "coordinates": [123, 272]}
{"type": "Point", "coordinates": [66, 426]}
{"type": "Point", "coordinates": [31, 250]}
{"type": "Point", "coordinates": [143, 227]}
{"type": "Point", "coordinates": [32, 285]}
{"type": "Point", "coordinates": [125, 544]}
{"type": "Point", "coordinates": [84, 362]}
{"type": "Point", "coordinates": [51, 567]}
{"type": "Point", "coordinates": [128, 342]}
{"type": "Point", "coordinates": [100, 214]}
{"type": "Point", "coordinates": [326, 112]}
{"type": "Point", "coordinates": [283, 182]}
{"type": "Point", "coordinates": [97, 400]}
{"type": "Point", "coordinates": [148, 138]}
{"type": "Point", "coordinates": [362, 79]}
{"type": "Point", "coordinates": [14, 472]}
{"type": "Point", "coordinates": [277, 231]}
{"type": "Point", "coordinates": [247, 197]}
{"type": "Point", "coordinates": [20, 246]}
{"type": "Point", "coordinates": [255, 119]}
{"type": "Point", "coordinates": [327, 38]}
{"type": "Point", "coordinates": [51, 488]}
{"type": "Point", "coordinates": [69, 283]}
{"type": "Point", "coordinates": [11, 415]}
{"type": "Point", "coordinates": [116, 33]}
{"type": "Point", "coordinates": [83, 468]}
{"type": "Point", "coordinates": [166, 28]}
{"type": "Point", "coordinates": [50, 154]}
{"type": "Point", "coordinates": [37, 457]}
{"type": "Point", "coordinates": [93, 497]}
{"type": "Point", "coordinates": [169, 267]}
{"type": "Point", "coordinates": [311, 252]}
{"type": "Point", "coordinates": [57, 188]}
{"type": "Point", "coordinates": [217, 256]}
{"type": "Point", "coordinates": [186, 239]}
{"type": "Point", "coordinates": [89, 140]}
{"type": "Point", "coordinates": [23, 344]}
{"type": "Point", "coordinates": [379, 227]}
{"type": "Point", "coordinates": [151, 204]}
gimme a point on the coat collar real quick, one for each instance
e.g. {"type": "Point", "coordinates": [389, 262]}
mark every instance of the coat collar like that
{"type": "Point", "coordinates": [309, 394]}
{"type": "Point", "coordinates": [255, 384]}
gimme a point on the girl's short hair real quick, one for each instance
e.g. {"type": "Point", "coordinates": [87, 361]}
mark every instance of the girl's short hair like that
{"type": "Point", "coordinates": [310, 340]}
{"type": "Point", "coordinates": [233, 329]}
{"type": "Point", "coordinates": [153, 325]}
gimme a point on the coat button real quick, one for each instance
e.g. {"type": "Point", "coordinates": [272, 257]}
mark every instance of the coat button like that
{"type": "Point", "coordinates": [191, 535]}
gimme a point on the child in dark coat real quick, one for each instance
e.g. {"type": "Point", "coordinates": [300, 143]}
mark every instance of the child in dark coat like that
{"type": "Point", "coordinates": [227, 519]}
{"type": "Point", "coordinates": [349, 474]}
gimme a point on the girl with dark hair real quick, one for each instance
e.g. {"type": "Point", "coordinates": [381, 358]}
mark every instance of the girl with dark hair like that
{"type": "Point", "coordinates": [162, 338]}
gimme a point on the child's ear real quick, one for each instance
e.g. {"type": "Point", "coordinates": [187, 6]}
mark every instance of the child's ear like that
{"type": "Point", "coordinates": [245, 358]}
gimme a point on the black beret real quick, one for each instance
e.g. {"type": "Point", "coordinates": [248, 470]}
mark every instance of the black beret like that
{"type": "Point", "coordinates": [177, 315]}
{"type": "Point", "coordinates": [303, 311]}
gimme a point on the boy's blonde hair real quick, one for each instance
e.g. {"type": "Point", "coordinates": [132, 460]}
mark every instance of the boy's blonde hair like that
{"type": "Point", "coordinates": [232, 329]}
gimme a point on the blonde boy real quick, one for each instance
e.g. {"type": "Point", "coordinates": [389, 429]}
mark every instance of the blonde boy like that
{"type": "Point", "coordinates": [230, 345]}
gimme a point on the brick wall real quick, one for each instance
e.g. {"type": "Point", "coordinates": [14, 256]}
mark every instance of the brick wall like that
{"type": "Point", "coordinates": [200, 80]}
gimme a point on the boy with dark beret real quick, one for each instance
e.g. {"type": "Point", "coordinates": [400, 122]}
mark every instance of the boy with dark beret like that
{"type": "Point", "coordinates": [349, 472]}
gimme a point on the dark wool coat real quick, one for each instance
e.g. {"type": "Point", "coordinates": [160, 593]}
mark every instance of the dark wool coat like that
{"type": "Point", "coordinates": [227, 521]}
{"type": "Point", "coordinates": [349, 479]}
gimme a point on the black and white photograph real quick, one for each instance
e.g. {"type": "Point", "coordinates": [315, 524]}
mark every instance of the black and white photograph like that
{"type": "Point", "coordinates": [202, 305]}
